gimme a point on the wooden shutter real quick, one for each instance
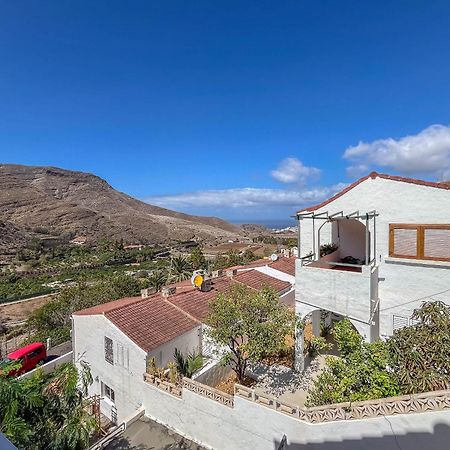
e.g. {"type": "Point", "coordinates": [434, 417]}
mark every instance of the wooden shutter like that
{"type": "Point", "coordinates": [437, 243]}
{"type": "Point", "coordinates": [109, 350]}
{"type": "Point", "coordinates": [420, 241]}
{"type": "Point", "coordinates": [405, 242]}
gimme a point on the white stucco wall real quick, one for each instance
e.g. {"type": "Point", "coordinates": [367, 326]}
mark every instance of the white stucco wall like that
{"type": "Point", "coordinates": [186, 343]}
{"type": "Point", "coordinates": [251, 426]}
{"type": "Point", "coordinates": [403, 285]}
{"type": "Point", "coordinates": [125, 379]}
{"type": "Point", "coordinates": [335, 290]}
{"type": "Point", "coordinates": [88, 345]}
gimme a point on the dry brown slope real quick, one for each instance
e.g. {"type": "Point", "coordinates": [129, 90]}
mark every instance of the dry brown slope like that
{"type": "Point", "coordinates": [65, 200]}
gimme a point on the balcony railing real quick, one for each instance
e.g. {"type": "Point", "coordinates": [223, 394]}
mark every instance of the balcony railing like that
{"type": "Point", "coordinates": [346, 289]}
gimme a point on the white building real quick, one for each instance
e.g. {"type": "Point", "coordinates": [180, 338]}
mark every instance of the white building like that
{"type": "Point", "coordinates": [390, 253]}
{"type": "Point", "coordinates": [118, 338]}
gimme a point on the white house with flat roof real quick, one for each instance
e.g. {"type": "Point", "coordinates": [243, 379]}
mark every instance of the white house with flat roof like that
{"type": "Point", "coordinates": [388, 251]}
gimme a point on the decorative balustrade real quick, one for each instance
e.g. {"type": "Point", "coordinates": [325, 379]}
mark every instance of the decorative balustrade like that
{"type": "Point", "coordinates": [208, 392]}
{"type": "Point", "coordinates": [193, 386]}
{"type": "Point", "coordinates": [163, 385]}
{"type": "Point", "coordinates": [406, 404]}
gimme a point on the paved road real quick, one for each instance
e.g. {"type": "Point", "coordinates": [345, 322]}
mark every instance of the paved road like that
{"type": "Point", "coordinates": [145, 434]}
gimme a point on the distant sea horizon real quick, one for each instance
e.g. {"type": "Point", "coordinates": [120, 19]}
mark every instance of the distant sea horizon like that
{"type": "Point", "coordinates": [268, 223]}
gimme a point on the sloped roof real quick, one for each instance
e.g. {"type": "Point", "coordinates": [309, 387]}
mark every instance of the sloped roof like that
{"type": "Point", "coordinates": [258, 280]}
{"type": "Point", "coordinates": [106, 307]}
{"type": "Point", "coordinates": [195, 303]}
{"type": "Point", "coordinates": [155, 320]}
{"type": "Point", "coordinates": [151, 322]}
{"type": "Point", "coordinates": [285, 265]}
{"type": "Point", "coordinates": [374, 175]}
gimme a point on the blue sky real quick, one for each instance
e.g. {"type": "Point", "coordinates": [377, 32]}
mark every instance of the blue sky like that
{"type": "Point", "coordinates": [241, 109]}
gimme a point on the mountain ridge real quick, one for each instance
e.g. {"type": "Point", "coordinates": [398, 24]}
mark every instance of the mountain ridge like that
{"type": "Point", "coordinates": [82, 203]}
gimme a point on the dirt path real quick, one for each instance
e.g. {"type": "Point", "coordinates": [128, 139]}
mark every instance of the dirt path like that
{"type": "Point", "coordinates": [15, 313]}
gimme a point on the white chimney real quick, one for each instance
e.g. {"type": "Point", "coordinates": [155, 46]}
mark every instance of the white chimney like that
{"type": "Point", "coordinates": [145, 293]}
{"type": "Point", "coordinates": [168, 291]}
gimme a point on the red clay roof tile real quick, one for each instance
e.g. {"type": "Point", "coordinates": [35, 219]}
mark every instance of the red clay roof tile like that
{"type": "Point", "coordinates": [285, 265]}
{"type": "Point", "coordinates": [151, 322]}
{"type": "Point", "coordinates": [258, 280]}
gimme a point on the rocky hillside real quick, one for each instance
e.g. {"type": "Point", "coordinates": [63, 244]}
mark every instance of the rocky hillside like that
{"type": "Point", "coordinates": [57, 201]}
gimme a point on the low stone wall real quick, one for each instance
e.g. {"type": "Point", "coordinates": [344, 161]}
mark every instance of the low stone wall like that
{"type": "Point", "coordinates": [406, 404]}
{"type": "Point", "coordinates": [50, 366]}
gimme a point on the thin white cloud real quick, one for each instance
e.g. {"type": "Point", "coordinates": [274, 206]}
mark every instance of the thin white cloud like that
{"type": "Point", "coordinates": [244, 198]}
{"type": "Point", "coordinates": [427, 152]}
{"type": "Point", "coordinates": [293, 171]}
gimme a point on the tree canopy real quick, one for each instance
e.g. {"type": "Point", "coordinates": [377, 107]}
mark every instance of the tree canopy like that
{"type": "Point", "coordinates": [47, 411]}
{"type": "Point", "coordinates": [360, 373]}
{"type": "Point", "coordinates": [414, 359]}
{"type": "Point", "coordinates": [420, 354]}
{"type": "Point", "coordinates": [249, 324]}
{"type": "Point", "coordinates": [197, 259]}
{"type": "Point", "coordinates": [53, 319]}
{"type": "Point", "coordinates": [180, 268]}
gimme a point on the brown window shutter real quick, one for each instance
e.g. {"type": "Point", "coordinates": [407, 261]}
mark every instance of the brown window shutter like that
{"type": "Point", "coordinates": [405, 242]}
{"type": "Point", "coordinates": [437, 243]}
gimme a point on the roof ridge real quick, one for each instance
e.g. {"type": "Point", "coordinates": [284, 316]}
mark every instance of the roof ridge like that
{"type": "Point", "coordinates": [137, 300]}
{"type": "Point", "coordinates": [189, 316]}
{"type": "Point", "coordinates": [374, 175]}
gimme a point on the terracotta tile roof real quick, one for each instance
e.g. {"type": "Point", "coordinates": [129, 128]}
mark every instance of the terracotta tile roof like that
{"type": "Point", "coordinates": [285, 265]}
{"type": "Point", "coordinates": [257, 280]}
{"type": "Point", "coordinates": [374, 175]}
{"type": "Point", "coordinates": [195, 302]}
{"type": "Point", "coordinates": [105, 307]}
{"type": "Point", "coordinates": [151, 322]}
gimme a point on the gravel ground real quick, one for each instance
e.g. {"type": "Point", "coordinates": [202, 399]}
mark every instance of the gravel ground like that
{"type": "Point", "coordinates": [278, 380]}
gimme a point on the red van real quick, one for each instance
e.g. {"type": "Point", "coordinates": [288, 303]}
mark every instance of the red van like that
{"type": "Point", "coordinates": [29, 357]}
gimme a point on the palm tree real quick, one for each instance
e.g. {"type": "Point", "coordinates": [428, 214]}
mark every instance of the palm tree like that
{"type": "Point", "coordinates": [187, 366]}
{"type": "Point", "coordinates": [47, 411]}
{"type": "Point", "coordinates": [180, 268]}
{"type": "Point", "coordinates": [157, 279]}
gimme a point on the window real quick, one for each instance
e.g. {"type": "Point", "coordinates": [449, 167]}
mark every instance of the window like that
{"type": "Point", "coordinates": [35, 353]}
{"type": "Point", "coordinates": [122, 355]}
{"type": "Point", "coordinates": [430, 242]}
{"type": "Point", "coordinates": [109, 352]}
{"type": "Point", "coordinates": [108, 392]}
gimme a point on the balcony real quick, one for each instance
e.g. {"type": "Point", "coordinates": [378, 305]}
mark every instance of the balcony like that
{"type": "Point", "coordinates": [340, 276]}
{"type": "Point", "coordinates": [346, 290]}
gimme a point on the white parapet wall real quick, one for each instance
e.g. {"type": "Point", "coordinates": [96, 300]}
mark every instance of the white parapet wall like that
{"type": "Point", "coordinates": [346, 293]}
{"type": "Point", "coordinates": [221, 422]}
{"type": "Point", "coordinates": [51, 365]}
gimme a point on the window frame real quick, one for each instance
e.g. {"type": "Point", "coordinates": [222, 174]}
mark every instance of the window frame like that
{"type": "Point", "coordinates": [420, 240]}
{"type": "Point", "coordinates": [109, 350]}
{"type": "Point", "coordinates": [108, 392]}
